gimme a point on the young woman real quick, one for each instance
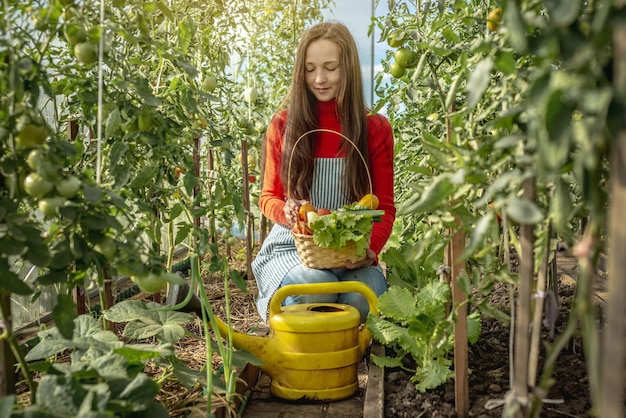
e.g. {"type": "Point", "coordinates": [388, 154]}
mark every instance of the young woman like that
{"type": "Point", "coordinates": [326, 93]}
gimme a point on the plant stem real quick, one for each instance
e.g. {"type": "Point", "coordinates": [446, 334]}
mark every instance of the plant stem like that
{"type": "Point", "coordinates": [8, 335]}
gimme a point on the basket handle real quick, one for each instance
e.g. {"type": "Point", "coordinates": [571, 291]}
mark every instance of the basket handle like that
{"type": "Point", "coordinates": [369, 176]}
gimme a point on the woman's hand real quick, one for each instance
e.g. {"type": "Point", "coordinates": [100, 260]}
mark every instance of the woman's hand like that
{"type": "Point", "coordinates": [370, 258]}
{"type": "Point", "coordinates": [291, 210]}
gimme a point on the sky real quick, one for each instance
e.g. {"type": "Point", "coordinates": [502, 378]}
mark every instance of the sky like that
{"type": "Point", "coordinates": [358, 19]}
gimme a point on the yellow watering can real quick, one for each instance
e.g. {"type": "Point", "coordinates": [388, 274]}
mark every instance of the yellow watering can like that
{"type": "Point", "coordinates": [313, 350]}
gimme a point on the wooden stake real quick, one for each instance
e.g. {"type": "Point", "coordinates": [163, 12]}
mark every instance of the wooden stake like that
{"type": "Point", "coordinates": [522, 321]}
{"type": "Point", "coordinates": [614, 347]}
{"type": "Point", "coordinates": [453, 252]}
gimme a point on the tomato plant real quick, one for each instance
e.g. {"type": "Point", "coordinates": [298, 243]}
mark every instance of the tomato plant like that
{"type": "Point", "coordinates": [486, 110]}
{"type": "Point", "coordinates": [97, 159]}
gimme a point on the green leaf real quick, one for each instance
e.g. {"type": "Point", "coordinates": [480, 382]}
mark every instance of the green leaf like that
{"type": "Point", "coordinates": [142, 86]}
{"type": "Point", "coordinates": [523, 211]}
{"type": "Point", "coordinates": [140, 353]}
{"type": "Point", "coordinates": [6, 405]}
{"type": "Point", "coordinates": [118, 150]}
{"type": "Point", "coordinates": [474, 326]}
{"type": "Point", "coordinates": [187, 376]}
{"type": "Point", "coordinates": [146, 175]}
{"type": "Point", "coordinates": [398, 303]}
{"type": "Point", "coordinates": [147, 320]}
{"type": "Point", "coordinates": [11, 281]}
{"type": "Point", "coordinates": [433, 374]}
{"type": "Point", "coordinates": [339, 227]}
{"type": "Point", "coordinates": [64, 314]}
{"type": "Point", "coordinates": [110, 366]}
{"type": "Point", "coordinates": [387, 361]}
{"type": "Point", "coordinates": [512, 17]}
{"type": "Point", "coordinates": [93, 194]}
{"type": "Point", "coordinates": [451, 96]}
{"type": "Point", "coordinates": [478, 81]}
{"type": "Point", "coordinates": [479, 232]}
{"type": "Point", "coordinates": [390, 334]}
{"type": "Point", "coordinates": [60, 395]}
{"type": "Point", "coordinates": [140, 392]}
{"type": "Point", "coordinates": [563, 13]}
{"type": "Point", "coordinates": [112, 123]}
{"type": "Point", "coordinates": [50, 343]}
{"type": "Point", "coordinates": [450, 35]}
{"type": "Point", "coordinates": [505, 62]}
{"type": "Point", "coordinates": [561, 210]}
{"type": "Point", "coordinates": [439, 190]}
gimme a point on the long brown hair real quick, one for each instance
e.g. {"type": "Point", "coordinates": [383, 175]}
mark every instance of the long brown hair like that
{"type": "Point", "coordinates": [302, 116]}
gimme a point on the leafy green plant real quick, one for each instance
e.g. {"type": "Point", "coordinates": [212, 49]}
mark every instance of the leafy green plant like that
{"type": "Point", "coordinates": [103, 378]}
{"type": "Point", "coordinates": [416, 326]}
{"type": "Point", "coordinates": [148, 319]}
{"type": "Point", "coordinates": [341, 226]}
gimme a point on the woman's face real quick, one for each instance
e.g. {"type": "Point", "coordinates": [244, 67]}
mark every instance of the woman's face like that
{"type": "Point", "coordinates": [322, 71]}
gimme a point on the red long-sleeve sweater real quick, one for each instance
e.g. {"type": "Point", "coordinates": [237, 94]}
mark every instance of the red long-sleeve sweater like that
{"type": "Point", "coordinates": [273, 194]}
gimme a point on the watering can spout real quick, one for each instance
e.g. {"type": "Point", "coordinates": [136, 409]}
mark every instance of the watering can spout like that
{"type": "Point", "coordinates": [257, 345]}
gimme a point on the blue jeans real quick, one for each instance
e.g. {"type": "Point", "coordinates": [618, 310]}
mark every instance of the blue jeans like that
{"type": "Point", "coordinates": [370, 276]}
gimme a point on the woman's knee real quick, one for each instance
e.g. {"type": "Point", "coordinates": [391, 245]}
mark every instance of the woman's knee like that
{"type": "Point", "coordinates": [304, 275]}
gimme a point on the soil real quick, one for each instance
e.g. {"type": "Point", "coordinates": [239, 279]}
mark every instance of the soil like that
{"type": "Point", "coordinates": [489, 376]}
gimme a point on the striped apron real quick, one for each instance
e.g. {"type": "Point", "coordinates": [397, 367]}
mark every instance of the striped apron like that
{"type": "Point", "coordinates": [278, 254]}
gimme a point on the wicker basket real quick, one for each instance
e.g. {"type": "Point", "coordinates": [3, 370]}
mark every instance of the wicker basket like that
{"type": "Point", "coordinates": [312, 255]}
{"type": "Point", "coordinates": [316, 257]}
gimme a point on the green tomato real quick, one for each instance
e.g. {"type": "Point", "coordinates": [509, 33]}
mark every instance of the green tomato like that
{"type": "Point", "coordinates": [395, 38]}
{"type": "Point", "coordinates": [149, 283]}
{"type": "Point", "coordinates": [75, 33]}
{"type": "Point", "coordinates": [106, 247]}
{"type": "Point", "coordinates": [404, 57]}
{"type": "Point", "coordinates": [210, 83]}
{"type": "Point", "coordinates": [397, 70]}
{"type": "Point", "coordinates": [85, 52]}
{"type": "Point", "coordinates": [144, 121]}
{"type": "Point", "coordinates": [49, 206]}
{"type": "Point", "coordinates": [36, 186]}
{"type": "Point", "coordinates": [250, 94]}
{"type": "Point", "coordinates": [35, 158]}
{"type": "Point", "coordinates": [31, 135]}
{"type": "Point", "coordinates": [231, 240]}
{"type": "Point", "coordinates": [68, 187]}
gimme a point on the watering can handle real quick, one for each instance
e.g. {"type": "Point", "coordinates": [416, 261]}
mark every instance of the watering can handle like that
{"type": "Point", "coordinates": [328, 287]}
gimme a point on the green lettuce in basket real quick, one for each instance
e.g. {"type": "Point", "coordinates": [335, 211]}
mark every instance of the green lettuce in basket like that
{"type": "Point", "coordinates": [350, 223]}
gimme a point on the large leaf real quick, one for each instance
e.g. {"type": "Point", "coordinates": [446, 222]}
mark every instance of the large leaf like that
{"type": "Point", "coordinates": [145, 176]}
{"type": "Point", "coordinates": [392, 334]}
{"type": "Point", "coordinates": [60, 394]}
{"type": "Point", "coordinates": [6, 405]}
{"type": "Point", "coordinates": [478, 81]}
{"type": "Point", "coordinates": [140, 392]}
{"type": "Point", "coordinates": [64, 314]}
{"type": "Point", "coordinates": [523, 211]}
{"type": "Point", "coordinates": [88, 335]}
{"type": "Point", "coordinates": [147, 320]}
{"type": "Point", "coordinates": [10, 281]}
{"type": "Point", "coordinates": [433, 374]}
{"type": "Point", "coordinates": [439, 190]}
{"type": "Point", "coordinates": [398, 303]}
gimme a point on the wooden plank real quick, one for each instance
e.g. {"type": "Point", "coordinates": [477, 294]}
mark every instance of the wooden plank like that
{"type": "Point", "coordinates": [374, 401]}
